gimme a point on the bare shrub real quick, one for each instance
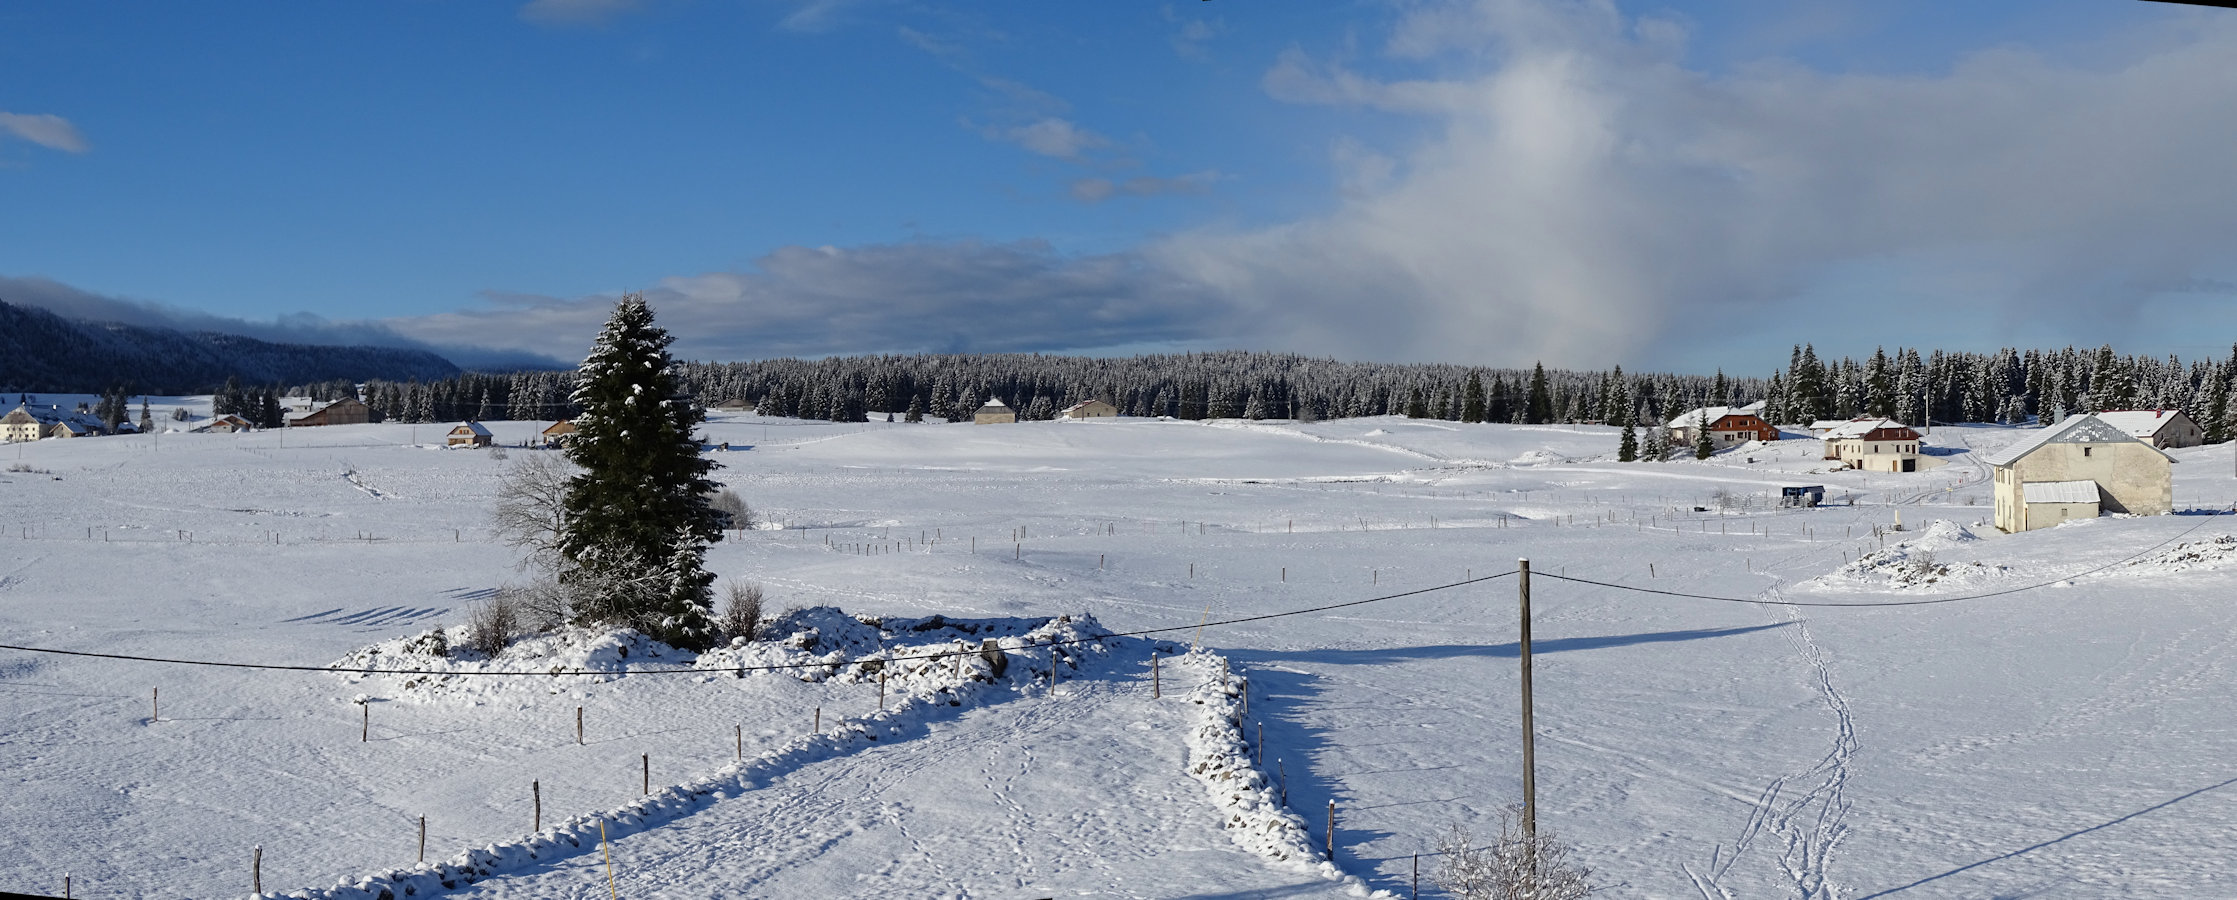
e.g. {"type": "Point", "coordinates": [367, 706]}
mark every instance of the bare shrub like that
{"type": "Point", "coordinates": [741, 611]}
{"type": "Point", "coordinates": [531, 508]}
{"type": "Point", "coordinates": [497, 452]}
{"type": "Point", "coordinates": [731, 508]}
{"type": "Point", "coordinates": [542, 604]}
{"type": "Point", "coordinates": [491, 624]}
{"type": "Point", "coordinates": [1516, 866]}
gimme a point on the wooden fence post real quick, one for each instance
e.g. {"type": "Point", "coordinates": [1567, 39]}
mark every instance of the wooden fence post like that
{"type": "Point", "coordinates": [741, 732]}
{"type": "Point", "coordinates": [578, 726]}
{"type": "Point", "coordinates": [256, 871]}
{"type": "Point", "coordinates": [423, 839]}
{"type": "Point", "coordinates": [536, 791]}
{"type": "Point", "coordinates": [881, 689]}
{"type": "Point", "coordinates": [1157, 688]}
{"type": "Point", "coordinates": [155, 705]}
{"type": "Point", "coordinates": [1331, 831]}
{"type": "Point", "coordinates": [365, 721]}
{"type": "Point", "coordinates": [648, 773]}
{"type": "Point", "coordinates": [819, 720]}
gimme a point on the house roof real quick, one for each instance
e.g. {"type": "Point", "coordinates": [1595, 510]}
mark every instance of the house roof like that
{"type": "Point", "coordinates": [473, 428]}
{"type": "Point", "coordinates": [1828, 424]}
{"type": "Point", "coordinates": [1692, 417]}
{"type": "Point", "coordinates": [52, 415]}
{"type": "Point", "coordinates": [563, 426]}
{"type": "Point", "coordinates": [994, 403]}
{"type": "Point", "coordinates": [1861, 427]}
{"type": "Point", "coordinates": [2059, 491]}
{"type": "Point", "coordinates": [2080, 428]}
{"type": "Point", "coordinates": [2141, 423]}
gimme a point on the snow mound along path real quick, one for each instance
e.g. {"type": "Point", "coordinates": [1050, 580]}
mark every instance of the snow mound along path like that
{"type": "Point", "coordinates": [574, 655]}
{"type": "Point", "coordinates": [929, 684]}
{"type": "Point", "coordinates": [1917, 564]}
{"type": "Point", "coordinates": [1240, 790]}
{"type": "Point", "coordinates": [816, 644]}
{"type": "Point", "coordinates": [2211, 553]}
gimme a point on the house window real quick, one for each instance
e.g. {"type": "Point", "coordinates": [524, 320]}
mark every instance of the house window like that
{"type": "Point", "coordinates": [2085, 451]}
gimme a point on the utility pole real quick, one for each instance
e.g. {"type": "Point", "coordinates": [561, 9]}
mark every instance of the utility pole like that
{"type": "Point", "coordinates": [1529, 729]}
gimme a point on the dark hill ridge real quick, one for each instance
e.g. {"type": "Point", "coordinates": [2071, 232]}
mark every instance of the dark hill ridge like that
{"type": "Point", "coordinates": [41, 351]}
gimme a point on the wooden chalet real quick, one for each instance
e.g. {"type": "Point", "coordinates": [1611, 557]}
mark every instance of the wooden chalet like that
{"type": "Point", "coordinates": [346, 411]}
{"type": "Point", "coordinates": [471, 434]}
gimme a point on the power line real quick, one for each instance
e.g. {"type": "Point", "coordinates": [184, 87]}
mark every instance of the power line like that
{"type": "Point", "coordinates": [945, 654]}
{"type": "Point", "coordinates": [1887, 603]}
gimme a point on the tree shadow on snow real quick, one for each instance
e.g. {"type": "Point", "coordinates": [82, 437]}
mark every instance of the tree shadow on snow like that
{"type": "Point", "coordinates": [1297, 750]}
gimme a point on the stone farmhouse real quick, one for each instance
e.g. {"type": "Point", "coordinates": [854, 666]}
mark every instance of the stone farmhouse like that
{"type": "Point", "coordinates": [2078, 469]}
{"type": "Point", "coordinates": [1090, 409]}
{"type": "Point", "coordinates": [2162, 428]}
{"type": "Point", "coordinates": [994, 413]}
{"type": "Point", "coordinates": [30, 423]}
{"type": "Point", "coordinates": [1877, 445]}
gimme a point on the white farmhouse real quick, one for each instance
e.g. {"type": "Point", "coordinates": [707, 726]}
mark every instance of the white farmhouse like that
{"type": "Point", "coordinates": [2077, 469]}
{"type": "Point", "coordinates": [2162, 428]}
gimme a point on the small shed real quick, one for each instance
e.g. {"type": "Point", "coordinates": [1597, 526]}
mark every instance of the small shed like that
{"type": "Point", "coordinates": [471, 434]}
{"type": "Point", "coordinates": [2162, 428]}
{"type": "Point", "coordinates": [560, 433]}
{"type": "Point", "coordinates": [1090, 409]}
{"type": "Point", "coordinates": [995, 412]}
{"type": "Point", "coordinates": [1805, 496]}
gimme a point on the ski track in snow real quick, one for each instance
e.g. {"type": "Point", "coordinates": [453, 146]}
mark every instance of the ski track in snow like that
{"type": "Point", "coordinates": [1805, 812]}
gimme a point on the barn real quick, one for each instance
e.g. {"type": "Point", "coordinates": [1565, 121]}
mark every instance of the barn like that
{"type": "Point", "coordinates": [995, 412]}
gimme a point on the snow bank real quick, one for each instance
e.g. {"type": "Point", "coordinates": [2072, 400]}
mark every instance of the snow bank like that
{"type": "Point", "coordinates": [925, 686]}
{"type": "Point", "coordinates": [1217, 757]}
{"type": "Point", "coordinates": [2212, 553]}
{"type": "Point", "coordinates": [584, 655]}
{"type": "Point", "coordinates": [1915, 564]}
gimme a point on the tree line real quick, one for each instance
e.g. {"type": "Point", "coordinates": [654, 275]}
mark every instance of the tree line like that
{"type": "Point", "coordinates": [1906, 384]}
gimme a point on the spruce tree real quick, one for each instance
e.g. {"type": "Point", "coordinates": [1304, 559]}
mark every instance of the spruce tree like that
{"type": "Point", "coordinates": [1619, 406]}
{"type": "Point", "coordinates": [1657, 448]}
{"type": "Point", "coordinates": [637, 518]}
{"type": "Point", "coordinates": [1472, 408]}
{"type": "Point", "coordinates": [1703, 448]}
{"type": "Point", "coordinates": [1538, 410]}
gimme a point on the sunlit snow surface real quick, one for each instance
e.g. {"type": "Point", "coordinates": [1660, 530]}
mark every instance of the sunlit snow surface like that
{"type": "Point", "coordinates": [2068, 741]}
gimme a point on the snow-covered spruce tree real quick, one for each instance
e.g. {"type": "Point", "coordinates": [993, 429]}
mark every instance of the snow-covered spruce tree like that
{"type": "Point", "coordinates": [1702, 447]}
{"type": "Point", "coordinates": [638, 524]}
{"type": "Point", "coordinates": [1657, 448]}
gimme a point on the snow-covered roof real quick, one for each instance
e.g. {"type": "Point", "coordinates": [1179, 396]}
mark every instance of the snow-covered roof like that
{"type": "Point", "coordinates": [1693, 417]}
{"type": "Point", "coordinates": [1828, 424]}
{"type": "Point", "coordinates": [2059, 491]}
{"type": "Point", "coordinates": [2080, 428]}
{"type": "Point", "coordinates": [1757, 407]}
{"type": "Point", "coordinates": [1861, 427]}
{"type": "Point", "coordinates": [994, 403]}
{"type": "Point", "coordinates": [52, 415]}
{"type": "Point", "coordinates": [2141, 423]}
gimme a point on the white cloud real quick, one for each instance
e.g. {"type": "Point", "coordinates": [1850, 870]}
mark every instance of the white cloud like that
{"type": "Point", "coordinates": [49, 131]}
{"type": "Point", "coordinates": [1051, 136]}
{"type": "Point", "coordinates": [1587, 199]}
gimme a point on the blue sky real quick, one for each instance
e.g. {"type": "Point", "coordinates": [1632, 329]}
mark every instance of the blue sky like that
{"type": "Point", "coordinates": [1666, 185]}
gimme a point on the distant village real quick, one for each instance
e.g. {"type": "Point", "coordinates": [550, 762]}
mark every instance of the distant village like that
{"type": "Point", "coordinates": [2086, 465]}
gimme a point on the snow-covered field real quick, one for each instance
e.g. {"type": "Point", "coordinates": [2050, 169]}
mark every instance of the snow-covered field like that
{"type": "Point", "coordinates": [2068, 740]}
